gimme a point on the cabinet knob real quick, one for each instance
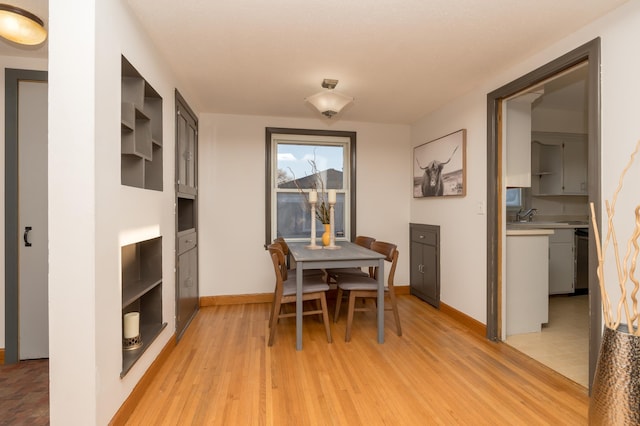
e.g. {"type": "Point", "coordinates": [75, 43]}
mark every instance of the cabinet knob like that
{"type": "Point", "coordinates": [421, 236]}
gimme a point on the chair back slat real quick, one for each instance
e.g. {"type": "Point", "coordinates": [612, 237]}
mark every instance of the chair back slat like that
{"type": "Point", "coordinates": [364, 241]}
{"type": "Point", "coordinates": [285, 250]}
{"type": "Point", "coordinates": [278, 261]}
{"type": "Point", "coordinates": [391, 253]}
{"type": "Point", "coordinates": [283, 253]}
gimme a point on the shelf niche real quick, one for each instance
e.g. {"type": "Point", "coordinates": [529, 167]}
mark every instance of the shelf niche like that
{"type": "Point", "coordinates": [141, 131]}
{"type": "Point", "coordinates": [142, 292]}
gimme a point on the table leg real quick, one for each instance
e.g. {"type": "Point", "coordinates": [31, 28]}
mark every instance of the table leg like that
{"type": "Point", "coordinates": [299, 274]}
{"type": "Point", "coordinates": [381, 301]}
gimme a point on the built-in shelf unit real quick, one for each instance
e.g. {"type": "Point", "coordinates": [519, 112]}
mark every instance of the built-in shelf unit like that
{"type": "Point", "coordinates": [142, 292]}
{"type": "Point", "coordinates": [141, 131]}
{"type": "Point", "coordinates": [187, 294]}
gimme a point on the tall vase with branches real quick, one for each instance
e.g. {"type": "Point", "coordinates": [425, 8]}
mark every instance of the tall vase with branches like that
{"type": "Point", "coordinates": [616, 386]}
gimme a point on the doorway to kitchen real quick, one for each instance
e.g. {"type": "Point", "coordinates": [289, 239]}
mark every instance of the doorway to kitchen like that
{"type": "Point", "coordinates": [497, 217]}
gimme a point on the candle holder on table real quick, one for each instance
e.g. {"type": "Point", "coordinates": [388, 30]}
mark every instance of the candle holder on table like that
{"type": "Point", "coordinates": [313, 199]}
{"type": "Point", "coordinates": [332, 233]}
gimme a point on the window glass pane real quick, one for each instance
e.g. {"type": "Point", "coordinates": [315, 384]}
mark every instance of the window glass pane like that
{"type": "Point", "coordinates": [294, 216]}
{"type": "Point", "coordinates": [300, 166]}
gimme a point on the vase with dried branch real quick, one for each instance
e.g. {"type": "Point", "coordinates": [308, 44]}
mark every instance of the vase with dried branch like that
{"type": "Point", "coordinates": [615, 396]}
{"type": "Point", "coordinates": [322, 205]}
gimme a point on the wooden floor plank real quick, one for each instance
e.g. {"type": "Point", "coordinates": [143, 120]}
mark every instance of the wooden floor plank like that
{"type": "Point", "coordinates": [438, 372]}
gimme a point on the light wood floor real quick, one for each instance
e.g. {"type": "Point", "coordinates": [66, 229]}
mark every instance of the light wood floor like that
{"type": "Point", "coordinates": [222, 372]}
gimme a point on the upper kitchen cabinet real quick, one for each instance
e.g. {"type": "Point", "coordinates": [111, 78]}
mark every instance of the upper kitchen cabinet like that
{"type": "Point", "coordinates": [559, 163]}
{"type": "Point", "coordinates": [517, 130]}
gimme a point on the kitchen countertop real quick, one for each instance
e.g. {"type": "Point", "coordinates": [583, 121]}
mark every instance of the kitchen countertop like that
{"type": "Point", "coordinates": [547, 225]}
{"type": "Point", "coordinates": [530, 231]}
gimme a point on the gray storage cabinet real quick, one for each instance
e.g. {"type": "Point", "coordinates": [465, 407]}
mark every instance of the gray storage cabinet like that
{"type": "Point", "coordinates": [425, 262]}
{"type": "Point", "coordinates": [187, 294]}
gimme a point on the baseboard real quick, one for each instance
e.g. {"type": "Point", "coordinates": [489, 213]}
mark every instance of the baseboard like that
{"type": "Point", "coordinates": [240, 299]}
{"type": "Point", "coordinates": [129, 405]}
{"type": "Point", "coordinates": [236, 299]}
{"type": "Point", "coordinates": [402, 290]}
{"type": "Point", "coordinates": [472, 324]}
{"type": "Point", "coordinates": [1, 356]}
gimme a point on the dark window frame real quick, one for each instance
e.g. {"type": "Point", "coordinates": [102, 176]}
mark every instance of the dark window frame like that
{"type": "Point", "coordinates": [269, 132]}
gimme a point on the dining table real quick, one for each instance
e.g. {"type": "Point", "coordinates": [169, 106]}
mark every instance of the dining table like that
{"type": "Point", "coordinates": [343, 254]}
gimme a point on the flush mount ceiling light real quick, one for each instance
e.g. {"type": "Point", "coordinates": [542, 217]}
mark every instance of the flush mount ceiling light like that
{"type": "Point", "coordinates": [329, 102]}
{"type": "Point", "coordinates": [21, 26]}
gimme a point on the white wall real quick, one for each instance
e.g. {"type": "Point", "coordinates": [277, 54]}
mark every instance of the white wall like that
{"type": "Point", "coordinates": [17, 63]}
{"type": "Point", "coordinates": [91, 215]}
{"type": "Point", "coordinates": [231, 196]}
{"type": "Point", "coordinates": [462, 221]}
{"type": "Point", "coordinates": [463, 262]}
{"type": "Point", "coordinates": [557, 120]}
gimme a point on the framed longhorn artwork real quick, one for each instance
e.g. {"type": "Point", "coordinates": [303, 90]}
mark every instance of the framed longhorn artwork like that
{"type": "Point", "coordinates": [439, 167]}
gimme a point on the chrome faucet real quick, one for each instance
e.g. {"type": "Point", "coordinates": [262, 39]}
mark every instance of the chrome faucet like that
{"type": "Point", "coordinates": [525, 216]}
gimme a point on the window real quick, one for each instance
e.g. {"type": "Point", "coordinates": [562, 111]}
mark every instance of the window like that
{"type": "Point", "coordinates": [514, 198]}
{"type": "Point", "coordinates": [295, 161]}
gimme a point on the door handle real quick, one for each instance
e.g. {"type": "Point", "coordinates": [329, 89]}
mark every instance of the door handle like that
{"type": "Point", "coordinates": [25, 236]}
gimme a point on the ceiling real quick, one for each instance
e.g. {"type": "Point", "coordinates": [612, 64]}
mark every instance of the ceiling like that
{"type": "Point", "coordinates": [399, 59]}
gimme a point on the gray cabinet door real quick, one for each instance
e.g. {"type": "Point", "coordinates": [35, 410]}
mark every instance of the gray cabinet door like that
{"type": "Point", "coordinates": [424, 263]}
{"type": "Point", "coordinates": [186, 156]}
{"type": "Point", "coordinates": [187, 289]}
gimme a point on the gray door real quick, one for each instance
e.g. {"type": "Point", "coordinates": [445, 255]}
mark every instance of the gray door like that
{"type": "Point", "coordinates": [25, 124]}
{"type": "Point", "coordinates": [32, 220]}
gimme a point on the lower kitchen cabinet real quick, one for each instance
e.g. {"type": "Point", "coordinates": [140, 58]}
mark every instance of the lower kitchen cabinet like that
{"type": "Point", "coordinates": [526, 285]}
{"type": "Point", "coordinates": [425, 263]}
{"type": "Point", "coordinates": [561, 261]}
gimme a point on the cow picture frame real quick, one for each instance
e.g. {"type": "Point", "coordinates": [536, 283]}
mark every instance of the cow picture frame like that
{"type": "Point", "coordinates": [439, 167]}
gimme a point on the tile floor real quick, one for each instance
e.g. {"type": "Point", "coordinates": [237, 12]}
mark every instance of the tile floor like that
{"type": "Point", "coordinates": [563, 344]}
{"type": "Point", "coordinates": [24, 393]}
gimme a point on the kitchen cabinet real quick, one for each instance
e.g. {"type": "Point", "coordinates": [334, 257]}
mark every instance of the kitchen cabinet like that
{"type": "Point", "coordinates": [187, 280]}
{"type": "Point", "coordinates": [517, 119]}
{"type": "Point", "coordinates": [187, 293]}
{"type": "Point", "coordinates": [527, 285]}
{"type": "Point", "coordinates": [558, 163]}
{"type": "Point", "coordinates": [425, 263]}
{"type": "Point", "coordinates": [561, 261]}
{"type": "Point", "coordinates": [574, 164]}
